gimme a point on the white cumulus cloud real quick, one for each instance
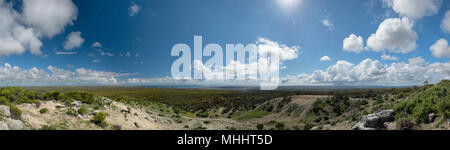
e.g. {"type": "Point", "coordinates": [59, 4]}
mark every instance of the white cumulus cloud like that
{"type": "Point", "coordinates": [395, 35]}
{"type": "Point", "coordinates": [388, 57]}
{"type": "Point", "coordinates": [284, 52]}
{"type": "Point", "coordinates": [21, 31]}
{"type": "Point", "coordinates": [440, 49]}
{"type": "Point", "coordinates": [17, 76]}
{"type": "Point", "coordinates": [353, 43]}
{"type": "Point", "coordinates": [373, 72]}
{"type": "Point", "coordinates": [445, 25]}
{"type": "Point", "coordinates": [16, 38]}
{"type": "Point", "coordinates": [49, 17]}
{"type": "Point", "coordinates": [73, 40]}
{"type": "Point", "coordinates": [415, 9]}
{"type": "Point", "coordinates": [325, 58]}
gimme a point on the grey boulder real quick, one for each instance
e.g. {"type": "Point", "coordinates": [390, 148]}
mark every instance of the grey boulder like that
{"type": "Point", "coordinates": [14, 124]}
{"type": "Point", "coordinates": [431, 117]}
{"type": "Point", "coordinates": [375, 121]}
{"type": "Point", "coordinates": [4, 110]}
{"type": "Point", "coordinates": [3, 126]}
{"type": "Point", "coordinates": [448, 121]}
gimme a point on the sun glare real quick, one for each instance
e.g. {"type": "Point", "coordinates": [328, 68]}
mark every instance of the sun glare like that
{"type": "Point", "coordinates": [289, 4]}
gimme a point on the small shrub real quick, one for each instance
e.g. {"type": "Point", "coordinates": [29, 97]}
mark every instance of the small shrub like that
{"type": "Point", "coordinates": [83, 110]}
{"type": "Point", "coordinates": [206, 122]}
{"type": "Point", "coordinates": [202, 114]}
{"type": "Point", "coordinates": [201, 128]}
{"type": "Point", "coordinates": [95, 107]}
{"type": "Point", "coordinates": [405, 124]}
{"type": "Point", "coordinates": [117, 127]}
{"type": "Point", "coordinates": [71, 112]}
{"type": "Point", "coordinates": [176, 110]}
{"type": "Point", "coordinates": [260, 126]}
{"type": "Point", "coordinates": [4, 101]}
{"type": "Point", "coordinates": [38, 104]}
{"type": "Point", "coordinates": [43, 110]}
{"type": "Point", "coordinates": [16, 113]}
{"type": "Point", "coordinates": [178, 121]}
{"type": "Point", "coordinates": [99, 119]}
{"type": "Point", "coordinates": [280, 126]}
{"type": "Point", "coordinates": [308, 126]}
{"type": "Point", "coordinates": [272, 122]}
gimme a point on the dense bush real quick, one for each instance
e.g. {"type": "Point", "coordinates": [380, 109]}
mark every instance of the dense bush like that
{"type": "Point", "coordinates": [335, 105]}
{"type": "Point", "coordinates": [434, 99]}
{"type": "Point", "coordinates": [202, 114]}
{"type": "Point", "coordinates": [17, 95]}
{"type": "Point", "coordinates": [4, 101]}
{"type": "Point", "coordinates": [80, 96]}
{"type": "Point", "coordinates": [405, 124]}
{"type": "Point", "coordinates": [16, 113]}
{"type": "Point", "coordinates": [53, 95]}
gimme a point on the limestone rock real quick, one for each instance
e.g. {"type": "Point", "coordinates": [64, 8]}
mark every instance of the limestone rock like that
{"type": "Point", "coordinates": [448, 121]}
{"type": "Point", "coordinates": [391, 125]}
{"type": "Point", "coordinates": [3, 126]}
{"type": "Point", "coordinates": [4, 110]}
{"type": "Point", "coordinates": [360, 126]}
{"type": "Point", "coordinates": [431, 117]}
{"type": "Point", "coordinates": [375, 121]}
{"type": "Point", "coordinates": [14, 124]}
{"type": "Point", "coordinates": [76, 103]}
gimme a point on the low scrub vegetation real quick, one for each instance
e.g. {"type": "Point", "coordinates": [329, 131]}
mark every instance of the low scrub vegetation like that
{"type": "Point", "coordinates": [412, 106]}
{"type": "Point", "coordinates": [433, 99]}
{"type": "Point", "coordinates": [100, 119]}
{"type": "Point", "coordinates": [43, 110]}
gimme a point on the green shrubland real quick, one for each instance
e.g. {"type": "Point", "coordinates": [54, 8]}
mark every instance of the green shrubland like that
{"type": "Point", "coordinates": [432, 99]}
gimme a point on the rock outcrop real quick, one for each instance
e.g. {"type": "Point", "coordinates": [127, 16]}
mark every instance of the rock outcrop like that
{"type": "Point", "coordinates": [14, 124]}
{"type": "Point", "coordinates": [375, 121]}
{"type": "Point", "coordinates": [3, 126]}
{"type": "Point", "coordinates": [431, 117]}
{"type": "Point", "coordinates": [4, 110]}
{"type": "Point", "coordinates": [8, 123]}
{"type": "Point", "coordinates": [448, 121]}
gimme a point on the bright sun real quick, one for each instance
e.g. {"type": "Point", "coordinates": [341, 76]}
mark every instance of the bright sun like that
{"type": "Point", "coordinates": [289, 4]}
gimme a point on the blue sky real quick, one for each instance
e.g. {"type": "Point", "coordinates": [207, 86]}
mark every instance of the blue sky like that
{"type": "Point", "coordinates": [136, 38]}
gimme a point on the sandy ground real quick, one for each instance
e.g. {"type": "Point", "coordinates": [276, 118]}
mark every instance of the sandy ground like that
{"type": "Point", "coordinates": [33, 119]}
{"type": "Point", "coordinates": [135, 119]}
